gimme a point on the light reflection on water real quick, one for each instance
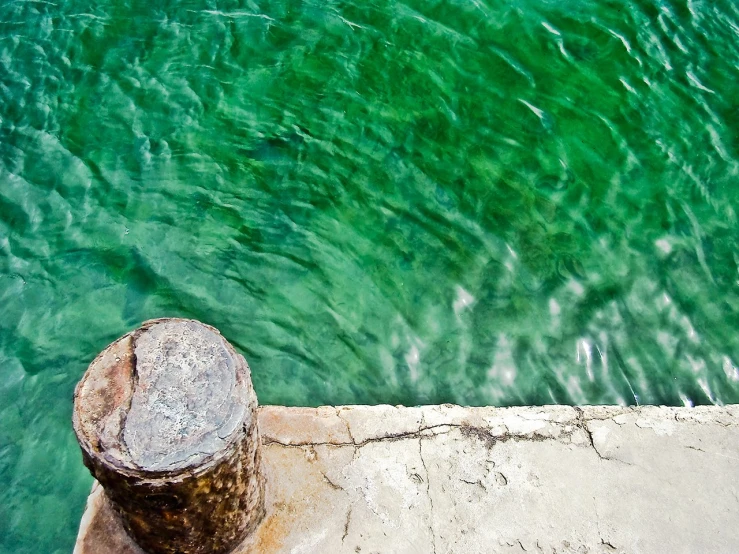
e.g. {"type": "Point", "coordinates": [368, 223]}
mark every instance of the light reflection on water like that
{"type": "Point", "coordinates": [481, 203]}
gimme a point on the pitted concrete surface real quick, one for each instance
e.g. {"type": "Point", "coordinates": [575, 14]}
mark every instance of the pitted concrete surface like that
{"type": "Point", "coordinates": [447, 479]}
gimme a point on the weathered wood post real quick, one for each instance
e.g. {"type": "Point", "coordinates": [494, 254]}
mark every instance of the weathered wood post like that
{"type": "Point", "coordinates": [166, 418]}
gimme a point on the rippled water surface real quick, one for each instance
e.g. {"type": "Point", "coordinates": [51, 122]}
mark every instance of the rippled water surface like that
{"type": "Point", "coordinates": [478, 202]}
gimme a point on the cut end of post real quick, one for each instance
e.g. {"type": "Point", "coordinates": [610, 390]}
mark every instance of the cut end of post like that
{"type": "Point", "coordinates": [188, 399]}
{"type": "Point", "coordinates": [164, 398]}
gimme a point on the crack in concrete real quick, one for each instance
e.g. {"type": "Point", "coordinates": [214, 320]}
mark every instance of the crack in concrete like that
{"type": "Point", "coordinates": [477, 483]}
{"type": "Point", "coordinates": [467, 430]}
{"type": "Point", "coordinates": [582, 423]}
{"type": "Point", "coordinates": [608, 544]}
{"type": "Point", "coordinates": [711, 453]}
{"type": "Point", "coordinates": [348, 427]}
{"type": "Point", "coordinates": [603, 541]}
{"type": "Point", "coordinates": [428, 483]}
{"type": "Point", "coordinates": [389, 437]}
{"type": "Point", "coordinates": [346, 524]}
{"type": "Point", "coordinates": [428, 493]}
{"type": "Point", "coordinates": [485, 435]}
{"type": "Point", "coordinates": [332, 484]}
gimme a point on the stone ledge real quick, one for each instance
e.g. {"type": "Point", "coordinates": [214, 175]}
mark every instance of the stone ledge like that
{"type": "Point", "coordinates": [441, 479]}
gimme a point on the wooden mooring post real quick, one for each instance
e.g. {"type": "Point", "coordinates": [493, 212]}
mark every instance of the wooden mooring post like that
{"type": "Point", "coordinates": [166, 419]}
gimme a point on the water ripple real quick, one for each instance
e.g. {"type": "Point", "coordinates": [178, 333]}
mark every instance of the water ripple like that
{"type": "Point", "coordinates": [400, 202]}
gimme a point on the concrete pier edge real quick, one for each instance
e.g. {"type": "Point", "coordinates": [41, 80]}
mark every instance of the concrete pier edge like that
{"type": "Point", "coordinates": [440, 479]}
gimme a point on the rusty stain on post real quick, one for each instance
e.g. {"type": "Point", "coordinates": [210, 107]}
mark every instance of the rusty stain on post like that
{"type": "Point", "coordinates": [166, 419]}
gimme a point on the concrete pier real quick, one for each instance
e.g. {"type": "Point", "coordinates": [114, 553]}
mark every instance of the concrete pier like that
{"type": "Point", "coordinates": [447, 479]}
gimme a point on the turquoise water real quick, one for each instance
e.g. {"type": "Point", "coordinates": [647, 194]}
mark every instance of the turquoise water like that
{"type": "Point", "coordinates": [473, 202]}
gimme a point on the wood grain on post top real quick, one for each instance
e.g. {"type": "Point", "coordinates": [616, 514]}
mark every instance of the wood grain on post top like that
{"type": "Point", "coordinates": [166, 418]}
{"type": "Point", "coordinates": [188, 402]}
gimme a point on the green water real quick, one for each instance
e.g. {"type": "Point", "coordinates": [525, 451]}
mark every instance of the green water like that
{"type": "Point", "coordinates": [476, 202]}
